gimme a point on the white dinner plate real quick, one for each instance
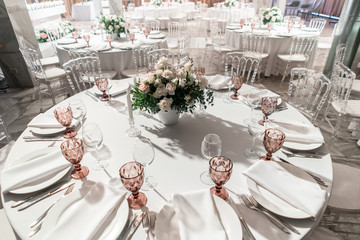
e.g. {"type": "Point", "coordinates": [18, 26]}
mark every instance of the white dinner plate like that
{"type": "Point", "coordinates": [166, 222]}
{"type": "Point", "coordinates": [50, 131]}
{"type": "Point", "coordinates": [64, 41]}
{"type": "Point", "coordinates": [307, 29]}
{"type": "Point", "coordinates": [233, 27]}
{"type": "Point", "coordinates": [157, 36]}
{"type": "Point", "coordinates": [33, 187]}
{"type": "Point", "coordinates": [117, 87]}
{"type": "Point", "coordinates": [75, 46]}
{"type": "Point", "coordinates": [302, 146]}
{"type": "Point", "coordinates": [276, 204]}
{"type": "Point", "coordinates": [154, 32]}
{"type": "Point", "coordinates": [113, 225]}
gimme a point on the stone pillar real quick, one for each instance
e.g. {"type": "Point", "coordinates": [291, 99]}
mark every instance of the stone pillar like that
{"type": "Point", "coordinates": [347, 31]}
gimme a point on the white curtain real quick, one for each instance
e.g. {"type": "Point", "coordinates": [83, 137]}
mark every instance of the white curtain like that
{"type": "Point", "coordinates": [116, 7]}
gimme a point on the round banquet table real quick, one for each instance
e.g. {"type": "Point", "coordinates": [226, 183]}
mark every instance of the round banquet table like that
{"type": "Point", "coordinates": [178, 161]}
{"type": "Point", "coordinates": [278, 42]}
{"type": "Point", "coordinates": [119, 57]}
{"type": "Point", "coordinates": [231, 13]}
{"type": "Point", "coordinates": [152, 11]}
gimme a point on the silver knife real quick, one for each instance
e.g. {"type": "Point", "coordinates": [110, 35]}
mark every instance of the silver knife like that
{"type": "Point", "coordinates": [135, 225]}
{"type": "Point", "coordinates": [243, 223]}
{"type": "Point", "coordinates": [28, 204]}
{"type": "Point", "coordinates": [52, 188]}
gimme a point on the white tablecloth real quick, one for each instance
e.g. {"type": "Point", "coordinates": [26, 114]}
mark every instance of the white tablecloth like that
{"type": "Point", "coordinates": [152, 11]}
{"type": "Point", "coordinates": [274, 45]}
{"type": "Point", "coordinates": [114, 59]}
{"type": "Point", "coordinates": [83, 11]}
{"type": "Point", "coordinates": [231, 12]}
{"type": "Point", "coordinates": [178, 160]}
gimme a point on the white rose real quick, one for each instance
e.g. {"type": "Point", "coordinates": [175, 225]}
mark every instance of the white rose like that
{"type": "Point", "coordinates": [182, 82]}
{"type": "Point", "coordinates": [187, 66]}
{"type": "Point", "coordinates": [117, 27]}
{"type": "Point", "coordinates": [163, 61]}
{"type": "Point", "coordinates": [158, 82]}
{"type": "Point", "coordinates": [273, 19]}
{"type": "Point", "coordinates": [181, 73]}
{"type": "Point", "coordinates": [187, 97]}
{"type": "Point", "coordinates": [102, 25]}
{"type": "Point", "coordinates": [111, 27]}
{"type": "Point", "coordinates": [270, 14]}
{"type": "Point", "coordinates": [170, 87]}
{"type": "Point", "coordinates": [267, 17]}
{"type": "Point", "coordinates": [160, 91]}
{"type": "Point", "coordinates": [159, 72]}
{"type": "Point", "coordinates": [165, 103]}
{"type": "Point", "coordinates": [203, 82]}
{"type": "Point", "coordinates": [167, 74]}
{"type": "Point", "coordinates": [122, 24]}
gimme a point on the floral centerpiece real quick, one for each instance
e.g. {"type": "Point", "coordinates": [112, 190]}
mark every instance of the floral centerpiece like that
{"type": "Point", "coordinates": [113, 24]}
{"type": "Point", "coordinates": [156, 2]}
{"type": "Point", "coordinates": [54, 32]}
{"type": "Point", "coordinates": [272, 15]}
{"type": "Point", "coordinates": [231, 3]}
{"type": "Point", "coordinates": [171, 88]}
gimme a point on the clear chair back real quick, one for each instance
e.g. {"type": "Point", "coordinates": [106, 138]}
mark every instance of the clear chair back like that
{"type": "Point", "coordinates": [154, 24]}
{"type": "Point", "coordinates": [236, 63]}
{"type": "Point", "coordinates": [253, 43]}
{"type": "Point", "coordinates": [71, 69]}
{"type": "Point", "coordinates": [4, 133]}
{"type": "Point", "coordinates": [292, 19]}
{"type": "Point", "coordinates": [340, 53]}
{"type": "Point", "coordinates": [33, 62]}
{"type": "Point", "coordinates": [317, 23]}
{"type": "Point", "coordinates": [308, 90]}
{"type": "Point", "coordinates": [140, 55]}
{"type": "Point", "coordinates": [302, 45]}
{"type": "Point", "coordinates": [342, 79]}
{"type": "Point", "coordinates": [175, 58]}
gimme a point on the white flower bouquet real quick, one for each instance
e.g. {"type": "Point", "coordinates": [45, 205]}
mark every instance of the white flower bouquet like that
{"type": "Point", "coordinates": [231, 3]}
{"type": "Point", "coordinates": [156, 2]}
{"type": "Point", "coordinates": [272, 15]}
{"type": "Point", "coordinates": [167, 87]}
{"type": "Point", "coordinates": [113, 24]}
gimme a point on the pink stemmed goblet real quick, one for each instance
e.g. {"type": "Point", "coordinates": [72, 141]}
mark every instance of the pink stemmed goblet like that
{"type": "Point", "coordinates": [253, 24]}
{"type": "Point", "coordinates": [87, 39]}
{"type": "Point", "coordinates": [103, 83]}
{"type": "Point", "coordinates": [73, 151]}
{"type": "Point", "coordinates": [242, 22]}
{"type": "Point", "coordinates": [132, 177]}
{"type": "Point", "coordinates": [220, 169]}
{"type": "Point", "coordinates": [64, 116]}
{"type": "Point", "coordinates": [290, 26]}
{"type": "Point", "coordinates": [269, 27]}
{"type": "Point", "coordinates": [237, 82]}
{"type": "Point", "coordinates": [109, 38]}
{"type": "Point", "coordinates": [146, 33]}
{"type": "Point", "coordinates": [132, 37]}
{"type": "Point", "coordinates": [75, 36]}
{"type": "Point", "coordinates": [93, 27]}
{"type": "Point", "coordinates": [273, 141]}
{"type": "Point", "coordinates": [268, 106]}
{"type": "Point", "coordinates": [200, 71]}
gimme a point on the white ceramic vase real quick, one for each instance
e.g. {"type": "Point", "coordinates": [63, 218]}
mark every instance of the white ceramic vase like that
{"type": "Point", "coordinates": [169, 117]}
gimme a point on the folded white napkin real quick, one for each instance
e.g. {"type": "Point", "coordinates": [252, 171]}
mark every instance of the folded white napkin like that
{"type": "Point", "coordinates": [34, 171]}
{"type": "Point", "coordinates": [100, 47]}
{"type": "Point", "coordinates": [198, 216]}
{"type": "Point", "coordinates": [300, 193]}
{"type": "Point", "coordinates": [44, 120]}
{"type": "Point", "coordinates": [88, 217]}
{"type": "Point", "coordinates": [298, 132]}
{"type": "Point", "coordinates": [218, 81]}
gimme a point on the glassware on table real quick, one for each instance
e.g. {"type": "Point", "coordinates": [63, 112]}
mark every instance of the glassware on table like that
{"type": "Point", "coordinates": [269, 27]}
{"type": "Point", "coordinates": [78, 109]}
{"type": "Point", "coordinates": [290, 26]}
{"type": "Point", "coordinates": [301, 22]}
{"type": "Point", "coordinates": [237, 82]}
{"type": "Point", "coordinates": [229, 85]}
{"type": "Point", "coordinates": [220, 169]}
{"type": "Point", "coordinates": [200, 71]}
{"type": "Point", "coordinates": [87, 39]}
{"type": "Point", "coordinates": [255, 130]}
{"type": "Point", "coordinates": [273, 141]}
{"type": "Point", "coordinates": [75, 35]}
{"type": "Point", "coordinates": [268, 106]}
{"type": "Point", "coordinates": [103, 83]}
{"type": "Point", "coordinates": [200, 113]}
{"type": "Point", "coordinates": [242, 22]}
{"type": "Point", "coordinates": [109, 38]}
{"type": "Point", "coordinates": [73, 151]}
{"type": "Point", "coordinates": [132, 37]}
{"type": "Point", "coordinates": [64, 116]}
{"type": "Point", "coordinates": [210, 147]}
{"type": "Point", "coordinates": [144, 153]}
{"type": "Point", "coordinates": [93, 137]}
{"type": "Point", "coordinates": [132, 177]}
{"type": "Point", "coordinates": [146, 33]}
{"type": "Point", "coordinates": [253, 24]}
{"type": "Point", "coordinates": [93, 27]}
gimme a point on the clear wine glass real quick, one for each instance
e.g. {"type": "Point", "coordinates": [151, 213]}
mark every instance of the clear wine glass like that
{"type": "Point", "coordinates": [255, 130]}
{"type": "Point", "coordinates": [229, 85]}
{"type": "Point", "coordinates": [78, 109]}
{"type": "Point", "coordinates": [64, 116]}
{"type": "Point", "coordinates": [132, 177]}
{"type": "Point", "coordinates": [144, 153]}
{"type": "Point", "coordinates": [200, 113]}
{"type": "Point", "coordinates": [210, 147]}
{"type": "Point", "coordinates": [73, 151]}
{"type": "Point", "coordinates": [93, 138]}
{"type": "Point", "coordinates": [273, 141]}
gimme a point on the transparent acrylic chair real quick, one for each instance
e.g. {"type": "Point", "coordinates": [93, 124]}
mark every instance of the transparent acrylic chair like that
{"type": "Point", "coordinates": [247, 67]}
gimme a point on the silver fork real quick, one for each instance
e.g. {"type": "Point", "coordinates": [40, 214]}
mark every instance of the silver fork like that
{"type": "Point", "coordinates": [146, 225]}
{"type": "Point", "coordinates": [301, 155]}
{"type": "Point", "coordinates": [274, 220]}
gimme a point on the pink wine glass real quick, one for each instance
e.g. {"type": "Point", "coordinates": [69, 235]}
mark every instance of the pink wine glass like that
{"type": "Point", "coordinates": [132, 177]}
{"type": "Point", "coordinates": [268, 106]}
{"type": "Point", "coordinates": [75, 35]}
{"type": "Point", "coordinates": [237, 82]}
{"type": "Point", "coordinates": [109, 38]}
{"type": "Point", "coordinates": [290, 26]}
{"type": "Point", "coordinates": [253, 24]}
{"type": "Point", "coordinates": [132, 37]}
{"type": "Point", "coordinates": [87, 39]}
{"type": "Point", "coordinates": [73, 151]}
{"type": "Point", "coordinates": [220, 169]}
{"type": "Point", "coordinates": [103, 84]}
{"type": "Point", "coordinates": [242, 22]}
{"type": "Point", "coordinates": [269, 27]}
{"type": "Point", "coordinates": [273, 141]}
{"type": "Point", "coordinates": [146, 33]}
{"type": "Point", "coordinates": [64, 116]}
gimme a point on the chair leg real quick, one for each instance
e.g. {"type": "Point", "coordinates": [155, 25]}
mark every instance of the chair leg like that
{"type": "Point", "coordinates": [285, 73]}
{"type": "Point", "coordinates": [52, 93]}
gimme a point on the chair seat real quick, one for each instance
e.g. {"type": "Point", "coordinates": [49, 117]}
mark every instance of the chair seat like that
{"type": "Point", "coordinates": [132, 72]}
{"type": "Point", "coordinates": [256, 55]}
{"type": "Point", "coordinates": [51, 74]}
{"type": "Point", "coordinates": [352, 108]}
{"type": "Point", "coordinates": [356, 86]}
{"type": "Point", "coordinates": [295, 57]}
{"type": "Point", "coordinates": [49, 61]}
{"type": "Point", "coordinates": [321, 233]}
{"type": "Point", "coordinates": [224, 48]}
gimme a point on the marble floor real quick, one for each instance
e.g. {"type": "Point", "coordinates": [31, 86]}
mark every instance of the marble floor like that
{"type": "Point", "coordinates": [19, 106]}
